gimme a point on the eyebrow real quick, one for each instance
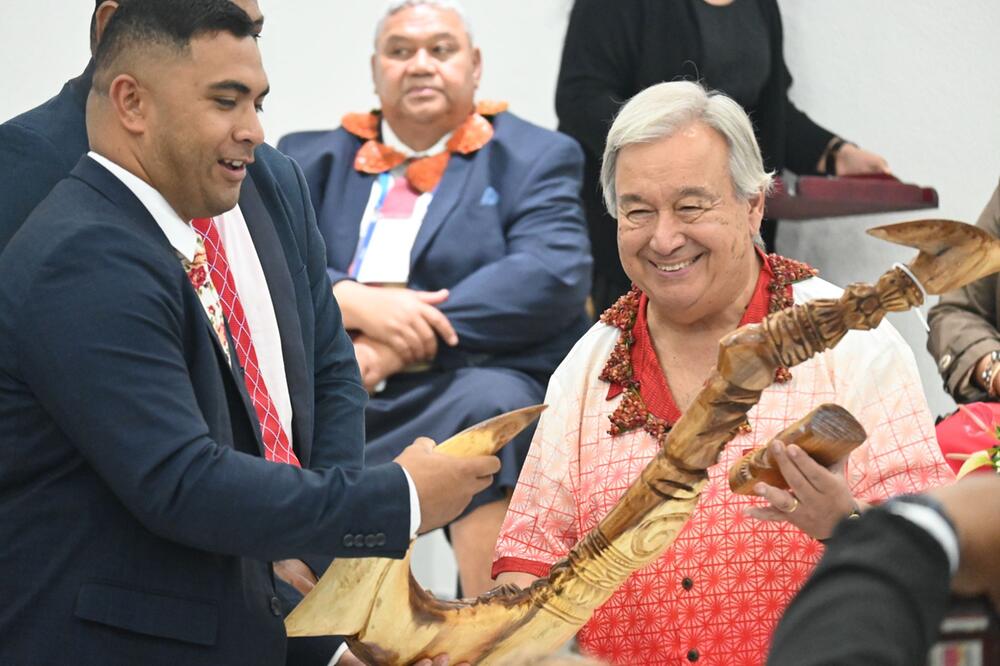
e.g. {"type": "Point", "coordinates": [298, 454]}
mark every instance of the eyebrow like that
{"type": "Point", "coordinates": [630, 199]}
{"type": "Point", "coordinates": [236, 86]}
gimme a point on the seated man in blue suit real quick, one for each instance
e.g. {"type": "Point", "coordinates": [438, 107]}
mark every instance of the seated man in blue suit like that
{"type": "Point", "coordinates": [457, 247]}
{"type": "Point", "coordinates": [152, 463]}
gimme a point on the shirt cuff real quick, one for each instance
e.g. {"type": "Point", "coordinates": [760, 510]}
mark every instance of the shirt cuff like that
{"type": "Point", "coordinates": [934, 524]}
{"type": "Point", "coordinates": [335, 659]}
{"type": "Point", "coordinates": [414, 504]}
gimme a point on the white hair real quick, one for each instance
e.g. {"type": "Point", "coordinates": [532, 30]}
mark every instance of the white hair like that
{"type": "Point", "coordinates": [393, 6]}
{"type": "Point", "coordinates": [660, 110]}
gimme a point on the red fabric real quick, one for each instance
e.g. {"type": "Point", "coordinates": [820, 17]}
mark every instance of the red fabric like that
{"type": "Point", "coordinates": [646, 368]}
{"type": "Point", "coordinates": [400, 200]}
{"type": "Point", "coordinates": [969, 430]}
{"type": "Point", "coordinates": [276, 445]}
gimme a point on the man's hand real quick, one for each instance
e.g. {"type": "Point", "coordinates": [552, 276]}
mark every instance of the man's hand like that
{"type": "Point", "coordinates": [377, 361]}
{"type": "Point", "coordinates": [853, 161]}
{"type": "Point", "coordinates": [445, 484]}
{"type": "Point", "coordinates": [296, 574]}
{"type": "Point", "coordinates": [817, 497]}
{"type": "Point", "coordinates": [973, 505]}
{"type": "Point", "coordinates": [404, 319]}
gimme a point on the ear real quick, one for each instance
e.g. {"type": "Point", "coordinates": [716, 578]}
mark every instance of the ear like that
{"type": "Point", "coordinates": [755, 212]}
{"type": "Point", "coordinates": [130, 102]}
{"type": "Point", "coordinates": [375, 76]}
{"type": "Point", "coordinates": [477, 66]}
{"type": "Point", "coordinates": [103, 15]}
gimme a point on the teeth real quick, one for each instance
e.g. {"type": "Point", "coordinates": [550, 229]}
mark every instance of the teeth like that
{"type": "Point", "coordinates": [236, 164]}
{"type": "Point", "coordinates": [670, 268]}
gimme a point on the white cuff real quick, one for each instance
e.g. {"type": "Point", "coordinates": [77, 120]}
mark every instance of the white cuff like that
{"type": "Point", "coordinates": [335, 659]}
{"type": "Point", "coordinates": [934, 524]}
{"type": "Point", "coordinates": [414, 505]}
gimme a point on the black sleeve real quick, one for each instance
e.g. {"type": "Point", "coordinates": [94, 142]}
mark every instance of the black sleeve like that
{"type": "Point", "coordinates": [598, 68]}
{"type": "Point", "coordinates": [805, 140]}
{"type": "Point", "coordinates": [877, 598]}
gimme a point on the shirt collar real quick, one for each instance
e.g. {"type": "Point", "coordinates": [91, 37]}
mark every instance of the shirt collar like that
{"type": "Point", "coordinates": [179, 233]}
{"type": "Point", "coordinates": [390, 139]}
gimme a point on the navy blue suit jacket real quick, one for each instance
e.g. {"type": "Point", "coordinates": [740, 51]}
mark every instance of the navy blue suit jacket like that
{"type": "Point", "coordinates": [137, 515]}
{"type": "Point", "coordinates": [504, 233]}
{"type": "Point", "coordinates": [37, 149]}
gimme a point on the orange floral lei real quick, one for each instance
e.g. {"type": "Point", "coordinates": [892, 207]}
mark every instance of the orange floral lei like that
{"type": "Point", "coordinates": [632, 412]}
{"type": "Point", "coordinates": [423, 174]}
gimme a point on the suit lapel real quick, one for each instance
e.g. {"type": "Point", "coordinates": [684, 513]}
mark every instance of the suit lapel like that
{"type": "Point", "coordinates": [446, 196]}
{"type": "Point", "coordinates": [282, 292]}
{"type": "Point", "coordinates": [135, 212]}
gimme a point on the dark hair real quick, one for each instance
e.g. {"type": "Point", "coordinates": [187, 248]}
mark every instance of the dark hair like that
{"type": "Point", "coordinates": [139, 24]}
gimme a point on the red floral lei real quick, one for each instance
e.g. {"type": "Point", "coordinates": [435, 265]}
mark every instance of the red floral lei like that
{"type": "Point", "coordinates": [632, 412]}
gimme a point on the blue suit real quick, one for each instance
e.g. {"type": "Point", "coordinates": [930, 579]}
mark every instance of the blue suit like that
{"type": "Point", "coordinates": [37, 149]}
{"type": "Point", "coordinates": [505, 234]}
{"type": "Point", "coordinates": [138, 516]}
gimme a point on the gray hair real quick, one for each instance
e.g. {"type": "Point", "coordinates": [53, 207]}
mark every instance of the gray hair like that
{"type": "Point", "coordinates": [393, 6]}
{"type": "Point", "coordinates": [660, 110]}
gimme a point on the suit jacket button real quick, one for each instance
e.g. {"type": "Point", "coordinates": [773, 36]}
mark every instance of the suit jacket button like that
{"type": "Point", "coordinates": [359, 540]}
{"type": "Point", "coordinates": [348, 540]}
{"type": "Point", "coordinates": [380, 539]}
{"type": "Point", "coordinates": [370, 541]}
{"type": "Point", "coordinates": [275, 606]}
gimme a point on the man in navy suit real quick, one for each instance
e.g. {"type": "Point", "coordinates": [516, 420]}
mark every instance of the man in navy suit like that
{"type": "Point", "coordinates": [138, 513]}
{"type": "Point", "coordinates": [473, 215]}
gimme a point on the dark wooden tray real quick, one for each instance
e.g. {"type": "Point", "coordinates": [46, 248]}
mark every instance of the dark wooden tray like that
{"type": "Point", "coordinates": [811, 197]}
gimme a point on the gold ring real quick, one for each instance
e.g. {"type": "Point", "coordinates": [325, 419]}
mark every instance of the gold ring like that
{"type": "Point", "coordinates": [795, 505]}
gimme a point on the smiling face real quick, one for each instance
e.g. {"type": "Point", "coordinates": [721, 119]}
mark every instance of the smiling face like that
{"type": "Point", "coordinates": [684, 236]}
{"type": "Point", "coordinates": [201, 125]}
{"type": "Point", "coordinates": [425, 68]}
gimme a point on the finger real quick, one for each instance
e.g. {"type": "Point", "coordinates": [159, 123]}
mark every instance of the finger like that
{"type": "Point", "coordinates": [780, 499]}
{"type": "Point", "coordinates": [441, 660]}
{"type": "Point", "coordinates": [432, 297]}
{"type": "Point", "coordinates": [414, 343]}
{"type": "Point", "coordinates": [442, 325]}
{"type": "Point", "coordinates": [428, 339]}
{"type": "Point", "coordinates": [398, 344]}
{"type": "Point", "coordinates": [767, 514]}
{"type": "Point", "coordinates": [425, 443]}
{"type": "Point", "coordinates": [484, 466]}
{"type": "Point", "coordinates": [797, 481]}
{"type": "Point", "coordinates": [818, 476]}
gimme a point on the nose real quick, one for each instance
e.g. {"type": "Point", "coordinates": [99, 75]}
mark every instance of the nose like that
{"type": "Point", "coordinates": [668, 235]}
{"type": "Point", "coordinates": [250, 129]}
{"type": "Point", "coordinates": [421, 62]}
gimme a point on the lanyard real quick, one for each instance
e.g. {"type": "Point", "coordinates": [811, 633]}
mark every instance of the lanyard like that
{"type": "Point", "coordinates": [368, 227]}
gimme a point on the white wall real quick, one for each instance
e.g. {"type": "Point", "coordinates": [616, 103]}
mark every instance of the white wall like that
{"type": "Point", "coordinates": [916, 80]}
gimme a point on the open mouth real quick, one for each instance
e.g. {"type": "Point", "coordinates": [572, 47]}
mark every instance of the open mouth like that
{"type": "Point", "coordinates": [677, 266]}
{"type": "Point", "coordinates": [236, 166]}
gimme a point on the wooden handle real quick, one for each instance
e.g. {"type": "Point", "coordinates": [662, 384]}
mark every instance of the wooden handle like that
{"type": "Point", "coordinates": [827, 434]}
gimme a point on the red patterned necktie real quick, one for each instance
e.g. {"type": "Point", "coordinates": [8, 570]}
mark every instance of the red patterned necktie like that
{"type": "Point", "coordinates": [276, 445]}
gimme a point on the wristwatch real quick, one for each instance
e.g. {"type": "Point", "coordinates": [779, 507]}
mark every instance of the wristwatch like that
{"type": "Point", "coordinates": [987, 372]}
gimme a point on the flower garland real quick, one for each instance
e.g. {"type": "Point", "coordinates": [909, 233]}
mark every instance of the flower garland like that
{"type": "Point", "coordinates": [423, 173]}
{"type": "Point", "coordinates": [632, 412]}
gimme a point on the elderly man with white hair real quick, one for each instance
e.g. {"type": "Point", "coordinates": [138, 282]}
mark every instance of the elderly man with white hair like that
{"type": "Point", "coordinates": [683, 175]}
{"type": "Point", "coordinates": [457, 248]}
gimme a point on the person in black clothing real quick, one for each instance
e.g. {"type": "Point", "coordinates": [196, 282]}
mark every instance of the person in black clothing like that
{"type": "Point", "coordinates": [884, 584]}
{"type": "Point", "coordinates": [616, 48]}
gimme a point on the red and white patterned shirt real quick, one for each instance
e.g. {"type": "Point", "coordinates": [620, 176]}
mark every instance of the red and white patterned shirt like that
{"type": "Point", "coordinates": [717, 593]}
